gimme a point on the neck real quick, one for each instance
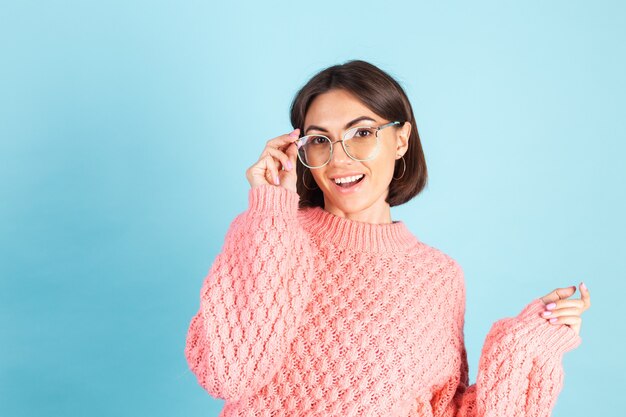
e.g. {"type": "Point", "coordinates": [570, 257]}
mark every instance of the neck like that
{"type": "Point", "coordinates": [378, 213]}
{"type": "Point", "coordinates": [347, 234]}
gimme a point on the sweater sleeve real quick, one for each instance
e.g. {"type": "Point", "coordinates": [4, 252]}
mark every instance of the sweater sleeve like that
{"type": "Point", "coordinates": [252, 300]}
{"type": "Point", "coordinates": [520, 370]}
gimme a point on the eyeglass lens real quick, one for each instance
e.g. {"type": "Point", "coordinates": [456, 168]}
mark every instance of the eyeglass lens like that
{"type": "Point", "coordinates": [359, 143]}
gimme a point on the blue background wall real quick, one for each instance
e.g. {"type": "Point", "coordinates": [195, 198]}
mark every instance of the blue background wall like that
{"type": "Point", "coordinates": [126, 129]}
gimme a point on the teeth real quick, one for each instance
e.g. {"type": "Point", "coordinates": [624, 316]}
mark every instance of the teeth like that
{"type": "Point", "coordinates": [347, 179]}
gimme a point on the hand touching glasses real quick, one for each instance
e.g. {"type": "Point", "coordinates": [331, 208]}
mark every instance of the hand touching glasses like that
{"type": "Point", "coordinates": [279, 152]}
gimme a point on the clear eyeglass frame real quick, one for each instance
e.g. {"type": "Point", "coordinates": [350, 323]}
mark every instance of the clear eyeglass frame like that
{"type": "Point", "coordinates": [351, 130]}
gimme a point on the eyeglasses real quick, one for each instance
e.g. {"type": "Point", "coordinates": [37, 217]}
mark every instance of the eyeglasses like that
{"type": "Point", "coordinates": [359, 143]}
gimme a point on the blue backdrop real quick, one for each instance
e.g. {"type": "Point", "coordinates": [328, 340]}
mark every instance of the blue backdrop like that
{"type": "Point", "coordinates": [126, 128]}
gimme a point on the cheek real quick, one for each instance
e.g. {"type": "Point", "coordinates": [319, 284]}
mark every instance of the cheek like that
{"type": "Point", "coordinates": [317, 176]}
{"type": "Point", "coordinates": [385, 161]}
{"type": "Point", "coordinates": [382, 170]}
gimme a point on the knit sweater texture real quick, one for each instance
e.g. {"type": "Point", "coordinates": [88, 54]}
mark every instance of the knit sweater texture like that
{"type": "Point", "coordinates": [306, 313]}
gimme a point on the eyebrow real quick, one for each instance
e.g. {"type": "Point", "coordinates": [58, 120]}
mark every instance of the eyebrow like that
{"type": "Point", "coordinates": [358, 119]}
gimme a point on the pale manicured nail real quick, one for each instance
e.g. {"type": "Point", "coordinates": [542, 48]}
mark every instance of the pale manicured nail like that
{"type": "Point", "coordinates": [546, 313]}
{"type": "Point", "coordinates": [553, 319]}
{"type": "Point", "coordinates": [289, 166]}
{"type": "Point", "coordinates": [583, 286]}
{"type": "Point", "coordinates": [276, 180]}
{"type": "Point", "coordinates": [551, 306]}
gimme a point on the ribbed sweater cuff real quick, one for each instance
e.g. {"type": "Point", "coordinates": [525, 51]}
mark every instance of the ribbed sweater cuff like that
{"type": "Point", "coordinates": [269, 198]}
{"type": "Point", "coordinates": [550, 337]}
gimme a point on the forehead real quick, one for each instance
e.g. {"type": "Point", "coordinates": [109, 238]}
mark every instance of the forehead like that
{"type": "Point", "coordinates": [334, 108]}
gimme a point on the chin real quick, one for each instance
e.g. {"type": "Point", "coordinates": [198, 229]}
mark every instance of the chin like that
{"type": "Point", "coordinates": [349, 205]}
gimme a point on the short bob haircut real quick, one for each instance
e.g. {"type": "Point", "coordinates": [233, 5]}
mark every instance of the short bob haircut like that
{"type": "Point", "coordinates": [385, 97]}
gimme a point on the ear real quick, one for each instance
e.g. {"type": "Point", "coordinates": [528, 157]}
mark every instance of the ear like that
{"type": "Point", "coordinates": [402, 139]}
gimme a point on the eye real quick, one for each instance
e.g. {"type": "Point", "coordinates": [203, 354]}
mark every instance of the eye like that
{"type": "Point", "coordinates": [318, 140]}
{"type": "Point", "coordinates": [363, 133]}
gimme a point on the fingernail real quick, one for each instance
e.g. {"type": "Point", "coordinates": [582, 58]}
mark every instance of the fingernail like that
{"type": "Point", "coordinates": [546, 313]}
{"type": "Point", "coordinates": [294, 133]}
{"type": "Point", "coordinates": [583, 286]}
{"type": "Point", "coordinates": [553, 319]}
{"type": "Point", "coordinates": [289, 166]}
{"type": "Point", "coordinates": [276, 180]}
{"type": "Point", "coordinates": [551, 306]}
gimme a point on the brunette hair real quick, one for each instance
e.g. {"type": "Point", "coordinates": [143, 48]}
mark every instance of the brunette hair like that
{"type": "Point", "coordinates": [384, 96]}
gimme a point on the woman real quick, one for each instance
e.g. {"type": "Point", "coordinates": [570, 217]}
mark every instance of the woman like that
{"type": "Point", "coordinates": [320, 305]}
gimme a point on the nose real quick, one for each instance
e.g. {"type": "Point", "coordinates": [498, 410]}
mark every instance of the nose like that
{"type": "Point", "coordinates": [339, 155]}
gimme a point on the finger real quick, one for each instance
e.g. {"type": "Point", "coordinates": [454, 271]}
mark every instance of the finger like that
{"type": "Point", "coordinates": [559, 294]}
{"type": "Point", "coordinates": [269, 177]}
{"type": "Point", "coordinates": [292, 154]}
{"type": "Point", "coordinates": [570, 320]}
{"type": "Point", "coordinates": [280, 142]}
{"type": "Point", "coordinates": [281, 156]}
{"type": "Point", "coordinates": [292, 150]}
{"type": "Point", "coordinates": [572, 302]}
{"type": "Point", "coordinates": [271, 171]}
{"type": "Point", "coordinates": [584, 295]}
{"type": "Point", "coordinates": [571, 311]}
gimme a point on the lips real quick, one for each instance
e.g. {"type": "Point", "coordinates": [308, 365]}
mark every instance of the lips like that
{"type": "Point", "coordinates": [350, 187]}
{"type": "Point", "coordinates": [344, 175]}
{"type": "Point", "coordinates": [350, 181]}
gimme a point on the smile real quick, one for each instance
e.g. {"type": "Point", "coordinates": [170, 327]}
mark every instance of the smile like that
{"type": "Point", "coordinates": [350, 184]}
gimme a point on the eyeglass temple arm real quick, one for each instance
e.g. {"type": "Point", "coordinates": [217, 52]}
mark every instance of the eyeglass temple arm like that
{"type": "Point", "coordinates": [388, 124]}
{"type": "Point", "coordinates": [378, 128]}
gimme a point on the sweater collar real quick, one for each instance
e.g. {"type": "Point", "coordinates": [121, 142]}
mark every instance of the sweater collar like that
{"type": "Point", "coordinates": [356, 235]}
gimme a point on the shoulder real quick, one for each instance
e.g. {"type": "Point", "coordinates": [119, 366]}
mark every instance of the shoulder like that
{"type": "Point", "coordinates": [439, 258]}
{"type": "Point", "coordinates": [443, 268]}
{"type": "Point", "coordinates": [447, 280]}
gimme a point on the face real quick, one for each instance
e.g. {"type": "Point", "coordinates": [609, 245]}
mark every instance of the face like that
{"type": "Point", "coordinates": [330, 113]}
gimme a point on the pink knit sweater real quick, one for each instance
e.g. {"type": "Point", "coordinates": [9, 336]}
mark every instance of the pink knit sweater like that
{"type": "Point", "coordinates": [305, 313]}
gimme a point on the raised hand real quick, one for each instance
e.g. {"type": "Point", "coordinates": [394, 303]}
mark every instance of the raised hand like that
{"type": "Point", "coordinates": [280, 151]}
{"type": "Point", "coordinates": [561, 310]}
